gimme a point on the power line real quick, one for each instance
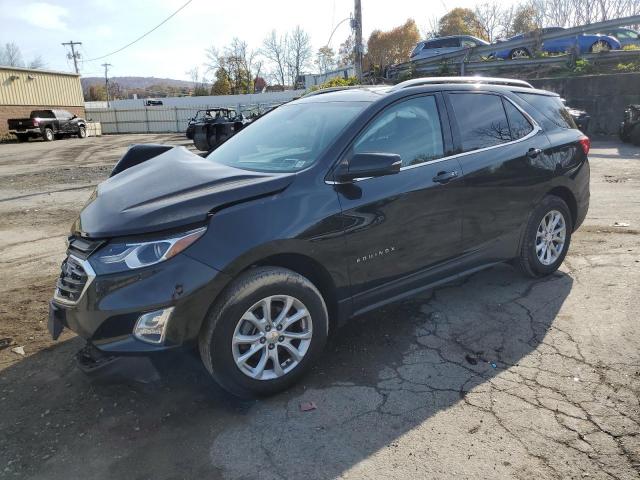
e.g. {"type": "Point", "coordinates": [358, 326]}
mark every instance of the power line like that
{"type": "Point", "coordinates": [142, 36]}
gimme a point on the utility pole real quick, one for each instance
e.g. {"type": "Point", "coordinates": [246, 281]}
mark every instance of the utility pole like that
{"type": "Point", "coordinates": [73, 55]}
{"type": "Point", "coordinates": [106, 79]}
{"type": "Point", "coordinates": [356, 24]}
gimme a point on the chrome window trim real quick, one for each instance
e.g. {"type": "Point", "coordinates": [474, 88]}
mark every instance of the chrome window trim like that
{"type": "Point", "coordinates": [536, 129]}
{"type": "Point", "coordinates": [91, 274]}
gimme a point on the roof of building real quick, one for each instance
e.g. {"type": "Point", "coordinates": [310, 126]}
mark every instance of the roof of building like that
{"type": "Point", "coordinates": [38, 70]}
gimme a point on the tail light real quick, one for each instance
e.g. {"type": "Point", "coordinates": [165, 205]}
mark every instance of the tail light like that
{"type": "Point", "coordinates": [585, 143]}
{"type": "Point", "coordinates": [35, 122]}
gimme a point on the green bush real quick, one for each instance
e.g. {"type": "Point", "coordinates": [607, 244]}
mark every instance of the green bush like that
{"type": "Point", "coordinates": [583, 67]}
{"type": "Point", "coordinates": [335, 82]}
{"type": "Point", "coordinates": [628, 67]}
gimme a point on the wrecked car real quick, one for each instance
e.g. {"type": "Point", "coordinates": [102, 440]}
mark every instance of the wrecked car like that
{"type": "Point", "coordinates": [630, 127]}
{"type": "Point", "coordinates": [328, 207]}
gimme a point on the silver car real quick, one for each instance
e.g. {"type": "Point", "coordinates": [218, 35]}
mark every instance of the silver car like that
{"type": "Point", "coordinates": [625, 36]}
{"type": "Point", "coordinates": [441, 45]}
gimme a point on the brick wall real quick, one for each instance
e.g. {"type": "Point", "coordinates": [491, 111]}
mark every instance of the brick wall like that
{"type": "Point", "coordinates": [20, 111]}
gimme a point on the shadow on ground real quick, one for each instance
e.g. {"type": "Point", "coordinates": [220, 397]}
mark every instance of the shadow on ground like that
{"type": "Point", "coordinates": [381, 375]}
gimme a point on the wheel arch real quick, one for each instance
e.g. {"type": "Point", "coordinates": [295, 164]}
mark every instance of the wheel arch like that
{"type": "Point", "coordinates": [312, 270]}
{"type": "Point", "coordinates": [569, 198]}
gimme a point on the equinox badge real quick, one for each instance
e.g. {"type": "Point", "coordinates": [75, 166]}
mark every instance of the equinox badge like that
{"type": "Point", "coordinates": [379, 253]}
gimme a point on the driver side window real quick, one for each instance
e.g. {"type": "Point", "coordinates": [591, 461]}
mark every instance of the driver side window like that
{"type": "Point", "coordinates": [410, 128]}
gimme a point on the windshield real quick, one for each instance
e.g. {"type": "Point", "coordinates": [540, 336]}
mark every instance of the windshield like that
{"type": "Point", "coordinates": [288, 139]}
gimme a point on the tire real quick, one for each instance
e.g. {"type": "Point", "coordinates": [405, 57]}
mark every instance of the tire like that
{"type": "Point", "coordinates": [226, 323]}
{"type": "Point", "coordinates": [82, 132]}
{"type": "Point", "coordinates": [22, 137]}
{"type": "Point", "coordinates": [600, 46]}
{"type": "Point", "coordinates": [531, 248]}
{"type": "Point", "coordinates": [520, 52]}
{"type": "Point", "coordinates": [634, 136]}
{"type": "Point", "coordinates": [47, 135]}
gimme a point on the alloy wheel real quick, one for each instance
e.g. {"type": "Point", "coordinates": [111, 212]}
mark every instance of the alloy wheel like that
{"type": "Point", "coordinates": [550, 237]}
{"type": "Point", "coordinates": [519, 53]}
{"type": "Point", "coordinates": [600, 46]}
{"type": "Point", "coordinates": [272, 337]}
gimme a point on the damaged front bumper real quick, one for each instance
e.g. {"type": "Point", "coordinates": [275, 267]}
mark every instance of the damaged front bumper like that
{"type": "Point", "coordinates": [108, 307]}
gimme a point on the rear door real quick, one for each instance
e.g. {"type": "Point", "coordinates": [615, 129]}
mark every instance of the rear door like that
{"type": "Point", "coordinates": [397, 226]}
{"type": "Point", "coordinates": [503, 163]}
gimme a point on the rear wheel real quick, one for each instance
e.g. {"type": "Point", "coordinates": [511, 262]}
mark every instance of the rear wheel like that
{"type": "Point", "coordinates": [547, 237]}
{"type": "Point", "coordinates": [517, 53]}
{"type": "Point", "coordinates": [22, 137]}
{"type": "Point", "coordinates": [600, 46]}
{"type": "Point", "coordinates": [48, 135]}
{"type": "Point", "coordinates": [264, 332]}
{"type": "Point", "coordinates": [82, 132]}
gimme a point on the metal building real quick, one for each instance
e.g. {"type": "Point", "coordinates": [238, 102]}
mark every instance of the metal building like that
{"type": "Point", "coordinates": [24, 89]}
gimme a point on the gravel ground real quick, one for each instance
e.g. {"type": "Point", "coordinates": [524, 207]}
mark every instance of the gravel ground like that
{"type": "Point", "coordinates": [496, 377]}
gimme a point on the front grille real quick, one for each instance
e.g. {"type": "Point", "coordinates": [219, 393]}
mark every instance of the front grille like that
{"type": "Point", "coordinates": [72, 281]}
{"type": "Point", "coordinates": [83, 247]}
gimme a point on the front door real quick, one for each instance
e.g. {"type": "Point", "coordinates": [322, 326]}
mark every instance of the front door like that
{"type": "Point", "coordinates": [397, 226]}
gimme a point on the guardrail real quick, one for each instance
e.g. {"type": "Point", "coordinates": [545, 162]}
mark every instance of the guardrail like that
{"type": "Point", "coordinates": [475, 66]}
{"type": "Point", "coordinates": [526, 41]}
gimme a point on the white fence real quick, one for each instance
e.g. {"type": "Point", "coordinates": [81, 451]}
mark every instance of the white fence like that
{"type": "Point", "coordinates": [131, 116]}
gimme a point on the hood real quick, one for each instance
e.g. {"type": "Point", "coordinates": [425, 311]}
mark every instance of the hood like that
{"type": "Point", "coordinates": [174, 189]}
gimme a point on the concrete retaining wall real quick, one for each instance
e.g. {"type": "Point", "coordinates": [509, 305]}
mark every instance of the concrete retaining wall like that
{"type": "Point", "coordinates": [604, 97]}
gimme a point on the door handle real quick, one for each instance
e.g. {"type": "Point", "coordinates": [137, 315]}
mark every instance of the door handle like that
{"type": "Point", "coordinates": [534, 152]}
{"type": "Point", "coordinates": [445, 177]}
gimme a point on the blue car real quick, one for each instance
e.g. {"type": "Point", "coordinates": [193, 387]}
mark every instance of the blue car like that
{"type": "Point", "coordinates": [585, 43]}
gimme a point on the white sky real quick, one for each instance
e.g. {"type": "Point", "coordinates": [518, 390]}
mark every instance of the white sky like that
{"type": "Point", "coordinates": [38, 27]}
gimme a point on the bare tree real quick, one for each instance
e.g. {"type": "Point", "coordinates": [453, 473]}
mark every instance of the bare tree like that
{"type": "Point", "coordinates": [300, 53]}
{"type": "Point", "coordinates": [275, 50]}
{"type": "Point", "coordinates": [325, 59]}
{"type": "Point", "coordinates": [11, 55]}
{"type": "Point", "coordinates": [432, 27]}
{"type": "Point", "coordinates": [36, 63]}
{"type": "Point", "coordinates": [489, 16]}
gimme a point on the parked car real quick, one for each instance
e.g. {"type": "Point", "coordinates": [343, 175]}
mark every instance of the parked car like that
{"type": "Point", "coordinates": [329, 206]}
{"type": "Point", "coordinates": [585, 43]}
{"type": "Point", "coordinates": [625, 36]}
{"type": "Point", "coordinates": [580, 117]}
{"type": "Point", "coordinates": [212, 130]}
{"type": "Point", "coordinates": [153, 103]}
{"type": "Point", "coordinates": [47, 124]}
{"type": "Point", "coordinates": [630, 126]}
{"type": "Point", "coordinates": [441, 45]}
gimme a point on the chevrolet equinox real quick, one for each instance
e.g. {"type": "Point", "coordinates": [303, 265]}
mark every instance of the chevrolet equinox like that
{"type": "Point", "coordinates": [325, 208]}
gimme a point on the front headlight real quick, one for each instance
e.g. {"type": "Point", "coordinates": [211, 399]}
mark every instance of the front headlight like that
{"type": "Point", "coordinates": [122, 256]}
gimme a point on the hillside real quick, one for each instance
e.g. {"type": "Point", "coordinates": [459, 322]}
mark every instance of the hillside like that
{"type": "Point", "coordinates": [130, 83]}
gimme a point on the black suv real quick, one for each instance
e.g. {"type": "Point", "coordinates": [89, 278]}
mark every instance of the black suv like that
{"type": "Point", "coordinates": [325, 208]}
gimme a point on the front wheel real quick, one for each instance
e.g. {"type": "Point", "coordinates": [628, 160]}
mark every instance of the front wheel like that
{"type": "Point", "coordinates": [264, 332]}
{"type": "Point", "coordinates": [517, 53]}
{"type": "Point", "coordinates": [82, 132]}
{"type": "Point", "coordinates": [547, 237]}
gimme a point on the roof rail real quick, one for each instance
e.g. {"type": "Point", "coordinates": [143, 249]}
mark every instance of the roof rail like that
{"type": "Point", "coordinates": [512, 82]}
{"type": "Point", "coordinates": [333, 89]}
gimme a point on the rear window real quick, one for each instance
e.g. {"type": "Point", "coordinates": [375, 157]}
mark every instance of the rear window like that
{"type": "Point", "coordinates": [442, 43]}
{"type": "Point", "coordinates": [42, 114]}
{"type": "Point", "coordinates": [481, 119]}
{"type": "Point", "coordinates": [551, 107]}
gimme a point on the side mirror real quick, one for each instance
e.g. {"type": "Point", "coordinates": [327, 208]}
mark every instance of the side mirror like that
{"type": "Point", "coordinates": [363, 165]}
